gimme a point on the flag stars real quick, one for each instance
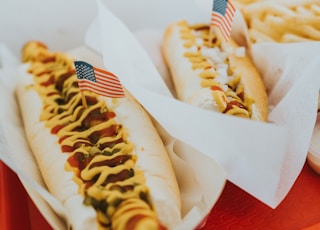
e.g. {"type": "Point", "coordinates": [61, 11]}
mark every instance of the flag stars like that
{"type": "Point", "coordinates": [85, 71]}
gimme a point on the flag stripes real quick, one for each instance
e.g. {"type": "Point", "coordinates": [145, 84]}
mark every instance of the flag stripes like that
{"type": "Point", "coordinates": [98, 80]}
{"type": "Point", "coordinates": [222, 16]}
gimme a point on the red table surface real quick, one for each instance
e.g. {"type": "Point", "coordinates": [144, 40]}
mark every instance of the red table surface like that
{"type": "Point", "coordinates": [235, 208]}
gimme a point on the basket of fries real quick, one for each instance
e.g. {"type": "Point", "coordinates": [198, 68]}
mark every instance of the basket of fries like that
{"type": "Point", "coordinates": [281, 21]}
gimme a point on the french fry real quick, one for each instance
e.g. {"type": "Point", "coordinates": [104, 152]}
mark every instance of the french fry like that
{"type": "Point", "coordinates": [295, 3]}
{"type": "Point", "coordinates": [279, 28]}
{"type": "Point", "coordinates": [264, 8]}
{"type": "Point", "coordinates": [289, 38]}
{"type": "Point", "coordinates": [311, 32]}
{"type": "Point", "coordinates": [258, 37]}
{"type": "Point", "coordinates": [304, 20]}
{"type": "Point", "coordinates": [315, 9]}
{"type": "Point", "coordinates": [302, 11]}
{"type": "Point", "coordinates": [283, 21]}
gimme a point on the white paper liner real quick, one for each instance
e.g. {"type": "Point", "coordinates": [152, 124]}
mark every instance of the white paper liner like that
{"type": "Point", "coordinates": [293, 82]}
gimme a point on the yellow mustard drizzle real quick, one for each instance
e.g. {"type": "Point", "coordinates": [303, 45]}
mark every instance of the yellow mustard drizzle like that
{"type": "Point", "coordinates": [231, 99]}
{"type": "Point", "coordinates": [133, 204]}
{"type": "Point", "coordinates": [100, 153]}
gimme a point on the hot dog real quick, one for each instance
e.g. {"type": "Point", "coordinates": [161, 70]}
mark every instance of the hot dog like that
{"type": "Point", "coordinates": [104, 160]}
{"type": "Point", "coordinates": [212, 74]}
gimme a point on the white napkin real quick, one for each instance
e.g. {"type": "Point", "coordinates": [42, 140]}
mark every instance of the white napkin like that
{"type": "Point", "coordinates": [293, 82]}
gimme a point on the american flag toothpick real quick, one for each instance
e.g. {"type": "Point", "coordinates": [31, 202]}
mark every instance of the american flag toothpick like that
{"type": "Point", "coordinates": [98, 80]}
{"type": "Point", "coordinates": [222, 15]}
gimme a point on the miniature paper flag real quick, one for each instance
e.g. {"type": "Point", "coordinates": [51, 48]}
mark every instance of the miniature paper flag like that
{"type": "Point", "coordinates": [222, 16]}
{"type": "Point", "coordinates": [98, 80]}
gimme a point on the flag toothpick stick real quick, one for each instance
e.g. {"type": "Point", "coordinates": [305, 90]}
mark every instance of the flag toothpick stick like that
{"type": "Point", "coordinates": [215, 31]}
{"type": "Point", "coordinates": [84, 101]}
{"type": "Point", "coordinates": [222, 16]}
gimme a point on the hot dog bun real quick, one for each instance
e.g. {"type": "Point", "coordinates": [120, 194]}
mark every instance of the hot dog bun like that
{"type": "Point", "coordinates": [213, 75]}
{"type": "Point", "coordinates": [107, 155]}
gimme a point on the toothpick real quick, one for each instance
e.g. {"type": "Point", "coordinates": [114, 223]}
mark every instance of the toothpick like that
{"type": "Point", "coordinates": [84, 101]}
{"type": "Point", "coordinates": [218, 33]}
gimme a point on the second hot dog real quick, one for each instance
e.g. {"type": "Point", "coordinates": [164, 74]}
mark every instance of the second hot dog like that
{"type": "Point", "coordinates": [212, 74]}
